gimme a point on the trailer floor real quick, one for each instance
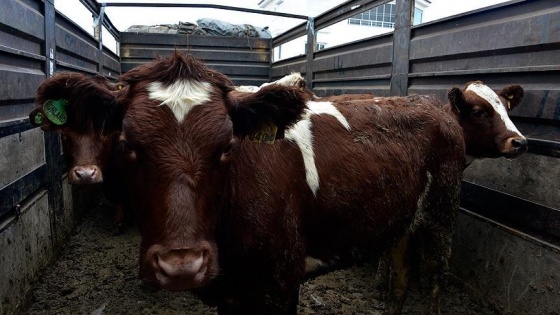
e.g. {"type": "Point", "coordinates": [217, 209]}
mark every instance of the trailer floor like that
{"type": "Point", "coordinates": [97, 274]}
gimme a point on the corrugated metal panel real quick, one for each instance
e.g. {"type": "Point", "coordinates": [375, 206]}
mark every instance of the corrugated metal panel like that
{"type": "Point", "coordinates": [21, 69]}
{"type": "Point", "coordinates": [76, 50]}
{"type": "Point", "coordinates": [111, 64]}
{"type": "Point", "coordinates": [359, 67]}
{"type": "Point", "coordinates": [244, 60]}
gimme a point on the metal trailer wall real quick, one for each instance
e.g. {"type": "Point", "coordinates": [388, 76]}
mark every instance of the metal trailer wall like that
{"type": "Point", "coordinates": [36, 206]}
{"type": "Point", "coordinates": [245, 60]}
{"type": "Point", "coordinates": [507, 245]}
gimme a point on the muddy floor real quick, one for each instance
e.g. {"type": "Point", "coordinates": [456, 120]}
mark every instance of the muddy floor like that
{"type": "Point", "coordinates": [96, 273]}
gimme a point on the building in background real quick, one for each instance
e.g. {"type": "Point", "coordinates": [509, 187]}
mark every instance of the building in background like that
{"type": "Point", "coordinates": [375, 21]}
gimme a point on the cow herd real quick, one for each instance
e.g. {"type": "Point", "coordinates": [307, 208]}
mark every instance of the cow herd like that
{"type": "Point", "coordinates": [240, 194]}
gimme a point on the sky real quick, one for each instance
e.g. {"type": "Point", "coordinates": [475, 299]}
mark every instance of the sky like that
{"type": "Point", "coordinates": [444, 8]}
{"type": "Point", "coordinates": [123, 18]}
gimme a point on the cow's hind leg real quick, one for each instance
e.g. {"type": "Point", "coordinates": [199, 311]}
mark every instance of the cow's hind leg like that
{"type": "Point", "coordinates": [436, 234]}
{"type": "Point", "coordinates": [436, 248]}
{"type": "Point", "coordinates": [400, 274]}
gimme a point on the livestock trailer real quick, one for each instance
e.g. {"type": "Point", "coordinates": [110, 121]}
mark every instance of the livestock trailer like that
{"type": "Point", "coordinates": [506, 250]}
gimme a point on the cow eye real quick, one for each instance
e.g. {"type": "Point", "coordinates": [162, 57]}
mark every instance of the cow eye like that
{"type": "Point", "coordinates": [227, 152]}
{"type": "Point", "coordinates": [127, 149]}
{"type": "Point", "coordinates": [478, 113]}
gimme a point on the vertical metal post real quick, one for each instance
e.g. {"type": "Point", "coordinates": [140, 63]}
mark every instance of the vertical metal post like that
{"type": "Point", "coordinates": [401, 47]}
{"type": "Point", "coordinates": [98, 34]}
{"type": "Point", "coordinates": [53, 157]}
{"type": "Point", "coordinates": [311, 40]}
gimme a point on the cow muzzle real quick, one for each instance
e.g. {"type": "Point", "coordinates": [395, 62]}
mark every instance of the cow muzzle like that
{"type": "Point", "coordinates": [514, 146]}
{"type": "Point", "coordinates": [85, 175]}
{"type": "Point", "coordinates": [179, 269]}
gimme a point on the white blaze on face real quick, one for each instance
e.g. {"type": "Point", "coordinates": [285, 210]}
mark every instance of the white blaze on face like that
{"type": "Point", "coordinates": [491, 97]}
{"type": "Point", "coordinates": [301, 134]}
{"type": "Point", "coordinates": [180, 96]}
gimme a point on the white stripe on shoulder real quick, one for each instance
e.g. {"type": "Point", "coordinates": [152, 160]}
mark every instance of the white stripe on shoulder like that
{"type": "Point", "coordinates": [491, 97]}
{"type": "Point", "coordinates": [318, 108]}
{"type": "Point", "coordinates": [302, 135]}
{"type": "Point", "coordinates": [180, 96]}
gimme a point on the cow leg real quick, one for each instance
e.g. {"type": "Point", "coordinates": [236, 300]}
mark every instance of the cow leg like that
{"type": "Point", "coordinates": [119, 218]}
{"type": "Point", "coordinates": [275, 306]}
{"type": "Point", "coordinates": [293, 306]}
{"type": "Point", "coordinates": [436, 235]}
{"type": "Point", "coordinates": [400, 273]}
{"type": "Point", "coordinates": [381, 280]}
{"type": "Point", "coordinates": [436, 248]}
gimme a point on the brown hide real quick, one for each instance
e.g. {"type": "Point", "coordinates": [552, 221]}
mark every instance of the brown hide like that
{"type": "Point", "coordinates": [235, 220]}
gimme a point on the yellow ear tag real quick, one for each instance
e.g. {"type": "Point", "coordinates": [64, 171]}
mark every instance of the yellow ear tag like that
{"type": "Point", "coordinates": [265, 134]}
{"type": "Point", "coordinates": [509, 97]}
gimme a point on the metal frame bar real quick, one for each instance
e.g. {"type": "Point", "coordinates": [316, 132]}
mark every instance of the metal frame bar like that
{"type": "Point", "coordinates": [529, 217]}
{"type": "Point", "coordinates": [207, 6]}
{"type": "Point", "coordinates": [12, 195]}
{"type": "Point", "coordinates": [52, 140]}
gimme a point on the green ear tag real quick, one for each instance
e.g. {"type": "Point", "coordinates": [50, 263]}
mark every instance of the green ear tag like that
{"type": "Point", "coordinates": [55, 110]}
{"type": "Point", "coordinates": [38, 118]}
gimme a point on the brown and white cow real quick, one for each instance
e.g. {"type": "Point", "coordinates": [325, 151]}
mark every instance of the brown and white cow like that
{"type": "Point", "coordinates": [80, 108]}
{"type": "Point", "coordinates": [236, 220]}
{"type": "Point", "coordinates": [292, 79]}
{"type": "Point", "coordinates": [481, 112]}
{"type": "Point", "coordinates": [483, 115]}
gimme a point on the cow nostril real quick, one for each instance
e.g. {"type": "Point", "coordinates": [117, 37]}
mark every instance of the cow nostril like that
{"type": "Point", "coordinates": [519, 143]}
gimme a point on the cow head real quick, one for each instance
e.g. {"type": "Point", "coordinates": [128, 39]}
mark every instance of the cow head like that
{"type": "Point", "coordinates": [181, 131]}
{"type": "Point", "coordinates": [294, 79]}
{"type": "Point", "coordinates": [483, 115]}
{"type": "Point", "coordinates": [84, 111]}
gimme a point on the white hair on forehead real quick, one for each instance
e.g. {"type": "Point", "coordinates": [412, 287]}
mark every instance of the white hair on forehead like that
{"type": "Point", "coordinates": [492, 98]}
{"type": "Point", "coordinates": [181, 96]}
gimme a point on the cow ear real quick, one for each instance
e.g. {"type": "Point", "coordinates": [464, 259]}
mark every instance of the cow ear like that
{"type": "Point", "coordinates": [273, 106]}
{"type": "Point", "coordinates": [37, 118]}
{"type": "Point", "coordinates": [59, 86]}
{"type": "Point", "coordinates": [513, 95]}
{"type": "Point", "coordinates": [457, 100]}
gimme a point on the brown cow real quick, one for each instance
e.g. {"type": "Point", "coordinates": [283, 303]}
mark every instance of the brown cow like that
{"type": "Point", "coordinates": [236, 220]}
{"type": "Point", "coordinates": [79, 107]}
